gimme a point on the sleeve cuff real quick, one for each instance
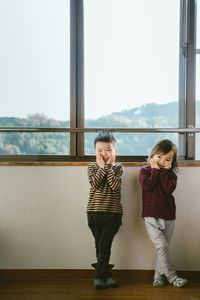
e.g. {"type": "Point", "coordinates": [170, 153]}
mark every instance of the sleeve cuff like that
{"type": "Point", "coordinates": [163, 171]}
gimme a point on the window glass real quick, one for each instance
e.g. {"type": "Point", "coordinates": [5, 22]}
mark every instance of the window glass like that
{"type": "Point", "coordinates": [35, 60]}
{"type": "Point", "coordinates": [131, 54]}
{"type": "Point", "coordinates": [131, 143]}
{"type": "Point", "coordinates": [131, 66]}
{"type": "Point", "coordinates": [34, 143]}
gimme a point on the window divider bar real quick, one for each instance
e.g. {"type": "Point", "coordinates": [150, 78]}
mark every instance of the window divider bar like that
{"type": "Point", "coordinates": [191, 78]}
{"type": "Point", "coordinates": [80, 76]}
{"type": "Point", "coordinates": [189, 130]}
{"type": "Point", "coordinates": [73, 152]}
{"type": "Point", "coordinates": [182, 76]}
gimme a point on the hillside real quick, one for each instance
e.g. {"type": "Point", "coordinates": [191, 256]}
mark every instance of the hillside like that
{"type": "Point", "coordinates": [150, 115]}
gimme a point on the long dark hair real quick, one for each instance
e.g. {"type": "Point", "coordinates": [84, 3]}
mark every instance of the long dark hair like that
{"type": "Point", "coordinates": [164, 147]}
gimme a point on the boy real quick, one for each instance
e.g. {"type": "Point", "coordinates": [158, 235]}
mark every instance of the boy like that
{"type": "Point", "coordinates": [104, 209]}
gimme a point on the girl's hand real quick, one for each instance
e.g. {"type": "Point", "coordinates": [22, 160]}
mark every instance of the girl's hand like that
{"type": "Point", "coordinates": [111, 159]}
{"type": "Point", "coordinates": [154, 164]}
{"type": "Point", "coordinates": [100, 161]}
{"type": "Point", "coordinates": [168, 165]}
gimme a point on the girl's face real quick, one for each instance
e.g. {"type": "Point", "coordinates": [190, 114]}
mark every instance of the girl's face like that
{"type": "Point", "coordinates": [164, 160]}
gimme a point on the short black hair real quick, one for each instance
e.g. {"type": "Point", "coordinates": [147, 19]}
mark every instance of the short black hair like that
{"type": "Point", "coordinates": [105, 136]}
{"type": "Point", "coordinates": [164, 147]}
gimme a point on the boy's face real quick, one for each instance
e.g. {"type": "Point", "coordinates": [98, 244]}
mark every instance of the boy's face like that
{"type": "Point", "coordinates": [105, 150]}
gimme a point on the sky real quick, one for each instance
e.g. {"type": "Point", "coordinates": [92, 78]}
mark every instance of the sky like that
{"type": "Point", "coordinates": [131, 56]}
{"type": "Point", "coordinates": [136, 54]}
{"type": "Point", "coordinates": [34, 58]}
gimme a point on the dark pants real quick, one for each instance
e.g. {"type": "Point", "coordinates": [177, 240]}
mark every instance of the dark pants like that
{"type": "Point", "coordinates": [104, 226]}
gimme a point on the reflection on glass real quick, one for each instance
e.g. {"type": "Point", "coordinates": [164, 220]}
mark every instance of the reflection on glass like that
{"type": "Point", "coordinates": [34, 143]}
{"type": "Point", "coordinates": [34, 60]}
{"type": "Point", "coordinates": [131, 58]}
{"type": "Point", "coordinates": [131, 143]}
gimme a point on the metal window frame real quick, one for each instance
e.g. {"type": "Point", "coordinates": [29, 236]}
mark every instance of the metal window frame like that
{"type": "Point", "coordinates": [197, 50]}
{"type": "Point", "coordinates": [191, 77]}
{"type": "Point", "coordinates": [76, 77]}
{"type": "Point", "coordinates": [182, 77]}
{"type": "Point", "coordinates": [187, 78]}
{"type": "Point", "coordinates": [61, 158]}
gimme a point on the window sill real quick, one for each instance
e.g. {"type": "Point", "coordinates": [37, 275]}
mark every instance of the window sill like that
{"type": "Point", "coordinates": [83, 164]}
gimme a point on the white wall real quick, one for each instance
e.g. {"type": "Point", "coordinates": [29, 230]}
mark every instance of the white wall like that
{"type": "Point", "coordinates": [43, 220]}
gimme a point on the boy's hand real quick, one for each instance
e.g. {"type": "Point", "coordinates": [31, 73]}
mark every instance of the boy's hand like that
{"type": "Point", "coordinates": [100, 161]}
{"type": "Point", "coordinates": [154, 164]}
{"type": "Point", "coordinates": [111, 159]}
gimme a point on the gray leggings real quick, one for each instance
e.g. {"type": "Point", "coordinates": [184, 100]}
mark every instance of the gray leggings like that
{"type": "Point", "coordinates": [160, 232]}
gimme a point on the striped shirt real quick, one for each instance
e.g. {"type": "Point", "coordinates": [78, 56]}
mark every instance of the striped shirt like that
{"type": "Point", "coordinates": [105, 188]}
{"type": "Point", "coordinates": [157, 188]}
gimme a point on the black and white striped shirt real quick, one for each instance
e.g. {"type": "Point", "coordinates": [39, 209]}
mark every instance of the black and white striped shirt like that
{"type": "Point", "coordinates": [105, 188]}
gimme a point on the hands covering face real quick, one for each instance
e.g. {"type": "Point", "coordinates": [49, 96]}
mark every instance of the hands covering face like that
{"type": "Point", "coordinates": [154, 164]}
{"type": "Point", "coordinates": [101, 162]}
{"type": "Point", "coordinates": [163, 161]}
{"type": "Point", "coordinates": [105, 153]}
{"type": "Point", "coordinates": [168, 165]}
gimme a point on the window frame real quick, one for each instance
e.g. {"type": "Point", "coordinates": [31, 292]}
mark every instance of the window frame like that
{"type": "Point", "coordinates": [187, 67]}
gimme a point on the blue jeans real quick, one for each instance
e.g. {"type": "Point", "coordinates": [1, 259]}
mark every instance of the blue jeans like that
{"type": "Point", "coordinates": [104, 226]}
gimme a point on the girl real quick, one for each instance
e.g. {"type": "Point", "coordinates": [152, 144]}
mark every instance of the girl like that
{"type": "Point", "coordinates": [158, 181]}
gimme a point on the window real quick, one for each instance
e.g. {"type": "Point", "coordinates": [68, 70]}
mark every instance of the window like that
{"type": "Point", "coordinates": [131, 69]}
{"type": "Point", "coordinates": [34, 75]}
{"type": "Point", "coordinates": [71, 67]}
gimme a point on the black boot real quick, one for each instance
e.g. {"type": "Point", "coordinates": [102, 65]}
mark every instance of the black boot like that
{"type": "Point", "coordinates": [99, 283]}
{"type": "Point", "coordinates": [110, 282]}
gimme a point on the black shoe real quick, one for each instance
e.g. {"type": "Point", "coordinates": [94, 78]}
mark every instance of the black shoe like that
{"type": "Point", "coordinates": [110, 282]}
{"type": "Point", "coordinates": [99, 284]}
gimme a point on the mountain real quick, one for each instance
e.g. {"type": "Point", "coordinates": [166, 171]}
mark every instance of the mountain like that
{"type": "Point", "coordinates": [150, 115]}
